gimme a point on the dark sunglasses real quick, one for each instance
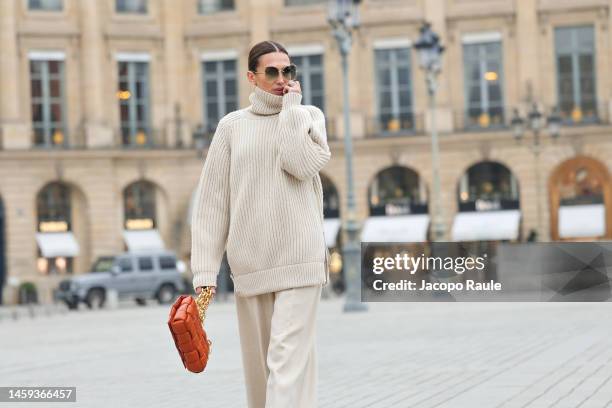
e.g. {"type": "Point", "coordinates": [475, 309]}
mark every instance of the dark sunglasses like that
{"type": "Point", "coordinates": [289, 72]}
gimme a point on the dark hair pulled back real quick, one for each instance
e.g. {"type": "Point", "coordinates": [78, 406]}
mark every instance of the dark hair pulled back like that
{"type": "Point", "coordinates": [262, 48]}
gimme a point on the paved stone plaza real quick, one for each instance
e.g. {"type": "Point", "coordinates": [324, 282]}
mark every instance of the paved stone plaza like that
{"type": "Point", "coordinates": [475, 355]}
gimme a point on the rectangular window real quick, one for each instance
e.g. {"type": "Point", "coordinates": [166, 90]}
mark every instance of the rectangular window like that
{"type": "Point", "coordinates": [310, 75]}
{"type": "Point", "coordinates": [167, 262]}
{"type": "Point", "coordinates": [213, 6]}
{"type": "Point", "coordinates": [145, 264]}
{"type": "Point", "coordinates": [575, 55]}
{"type": "Point", "coordinates": [394, 90]}
{"type": "Point", "coordinates": [483, 76]}
{"type": "Point", "coordinates": [134, 102]}
{"type": "Point", "coordinates": [125, 264]}
{"type": "Point", "coordinates": [303, 2]}
{"type": "Point", "coordinates": [48, 106]}
{"type": "Point", "coordinates": [131, 6]}
{"type": "Point", "coordinates": [45, 5]}
{"type": "Point", "coordinates": [220, 91]}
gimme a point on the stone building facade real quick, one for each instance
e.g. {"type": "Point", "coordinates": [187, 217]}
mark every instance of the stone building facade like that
{"type": "Point", "coordinates": [107, 104]}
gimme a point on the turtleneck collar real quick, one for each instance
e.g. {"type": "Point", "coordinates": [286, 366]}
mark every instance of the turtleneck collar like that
{"type": "Point", "coordinates": [265, 103]}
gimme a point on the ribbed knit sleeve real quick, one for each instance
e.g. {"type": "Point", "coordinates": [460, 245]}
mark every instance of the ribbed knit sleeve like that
{"type": "Point", "coordinates": [303, 147]}
{"type": "Point", "coordinates": [211, 216]}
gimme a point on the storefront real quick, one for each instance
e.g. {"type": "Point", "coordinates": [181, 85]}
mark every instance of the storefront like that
{"type": "Point", "coordinates": [398, 213]}
{"type": "Point", "coordinates": [140, 231]}
{"type": "Point", "coordinates": [580, 200]}
{"type": "Point", "coordinates": [331, 212]}
{"type": "Point", "coordinates": [488, 203]}
{"type": "Point", "coordinates": [332, 225]}
{"type": "Point", "coordinates": [57, 245]}
{"type": "Point", "coordinates": [398, 207]}
{"type": "Point", "coordinates": [489, 212]}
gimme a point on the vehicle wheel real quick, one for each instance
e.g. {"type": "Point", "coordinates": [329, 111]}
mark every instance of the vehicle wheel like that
{"type": "Point", "coordinates": [166, 294]}
{"type": "Point", "coordinates": [141, 301]}
{"type": "Point", "coordinates": [72, 305]}
{"type": "Point", "coordinates": [95, 299]}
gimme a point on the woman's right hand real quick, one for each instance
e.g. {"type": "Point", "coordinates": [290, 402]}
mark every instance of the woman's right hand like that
{"type": "Point", "coordinates": [200, 288]}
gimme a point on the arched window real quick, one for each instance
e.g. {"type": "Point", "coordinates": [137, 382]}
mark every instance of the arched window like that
{"type": "Point", "coordinates": [331, 213]}
{"type": "Point", "coordinates": [139, 205]}
{"type": "Point", "coordinates": [488, 186]}
{"type": "Point", "coordinates": [580, 185]}
{"type": "Point", "coordinates": [581, 195]}
{"type": "Point", "coordinates": [57, 246]}
{"type": "Point", "coordinates": [53, 208]}
{"type": "Point", "coordinates": [331, 200]}
{"type": "Point", "coordinates": [397, 190]}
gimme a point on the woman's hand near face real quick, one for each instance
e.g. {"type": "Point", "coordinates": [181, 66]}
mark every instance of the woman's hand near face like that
{"type": "Point", "coordinates": [292, 86]}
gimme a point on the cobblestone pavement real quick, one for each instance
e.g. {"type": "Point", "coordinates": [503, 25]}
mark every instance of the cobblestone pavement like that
{"type": "Point", "coordinates": [476, 355]}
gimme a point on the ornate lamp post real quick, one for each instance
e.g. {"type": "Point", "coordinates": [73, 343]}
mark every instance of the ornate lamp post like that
{"type": "Point", "coordinates": [343, 18]}
{"type": "Point", "coordinates": [430, 58]}
{"type": "Point", "coordinates": [535, 123]}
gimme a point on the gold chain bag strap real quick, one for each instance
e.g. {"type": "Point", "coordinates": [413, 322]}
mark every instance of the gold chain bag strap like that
{"type": "Point", "coordinates": [186, 322]}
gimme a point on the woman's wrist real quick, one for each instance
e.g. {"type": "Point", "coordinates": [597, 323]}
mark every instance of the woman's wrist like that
{"type": "Point", "coordinates": [201, 288]}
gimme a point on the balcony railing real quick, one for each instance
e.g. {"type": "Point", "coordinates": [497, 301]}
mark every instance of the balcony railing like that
{"type": "Point", "coordinates": [151, 138]}
{"type": "Point", "coordinates": [570, 117]}
{"type": "Point", "coordinates": [483, 121]}
{"type": "Point", "coordinates": [597, 114]}
{"type": "Point", "coordinates": [375, 127]}
{"type": "Point", "coordinates": [408, 125]}
{"type": "Point", "coordinates": [60, 140]}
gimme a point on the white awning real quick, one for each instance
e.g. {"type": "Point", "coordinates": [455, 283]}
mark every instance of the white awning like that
{"type": "Point", "coordinates": [486, 225]}
{"type": "Point", "coordinates": [396, 228]}
{"type": "Point", "coordinates": [53, 244]}
{"type": "Point", "coordinates": [331, 227]}
{"type": "Point", "coordinates": [577, 221]}
{"type": "Point", "coordinates": [143, 240]}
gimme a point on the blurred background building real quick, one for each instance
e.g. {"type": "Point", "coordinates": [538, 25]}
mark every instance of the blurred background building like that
{"type": "Point", "coordinates": [108, 106]}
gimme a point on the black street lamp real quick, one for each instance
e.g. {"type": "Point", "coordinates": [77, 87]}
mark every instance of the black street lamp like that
{"type": "Point", "coordinates": [429, 48]}
{"type": "Point", "coordinates": [344, 18]}
{"type": "Point", "coordinates": [430, 60]}
{"type": "Point", "coordinates": [535, 123]}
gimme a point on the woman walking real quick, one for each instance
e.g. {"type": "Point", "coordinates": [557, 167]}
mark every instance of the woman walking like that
{"type": "Point", "coordinates": [260, 199]}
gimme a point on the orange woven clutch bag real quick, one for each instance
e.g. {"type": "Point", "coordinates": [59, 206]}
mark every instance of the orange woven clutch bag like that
{"type": "Point", "coordinates": [186, 326]}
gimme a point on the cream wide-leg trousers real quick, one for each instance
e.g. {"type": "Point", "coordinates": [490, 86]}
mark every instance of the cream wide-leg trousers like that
{"type": "Point", "coordinates": [277, 339]}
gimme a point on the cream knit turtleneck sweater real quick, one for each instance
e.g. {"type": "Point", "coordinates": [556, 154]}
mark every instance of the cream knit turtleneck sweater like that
{"type": "Point", "coordinates": [260, 198]}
